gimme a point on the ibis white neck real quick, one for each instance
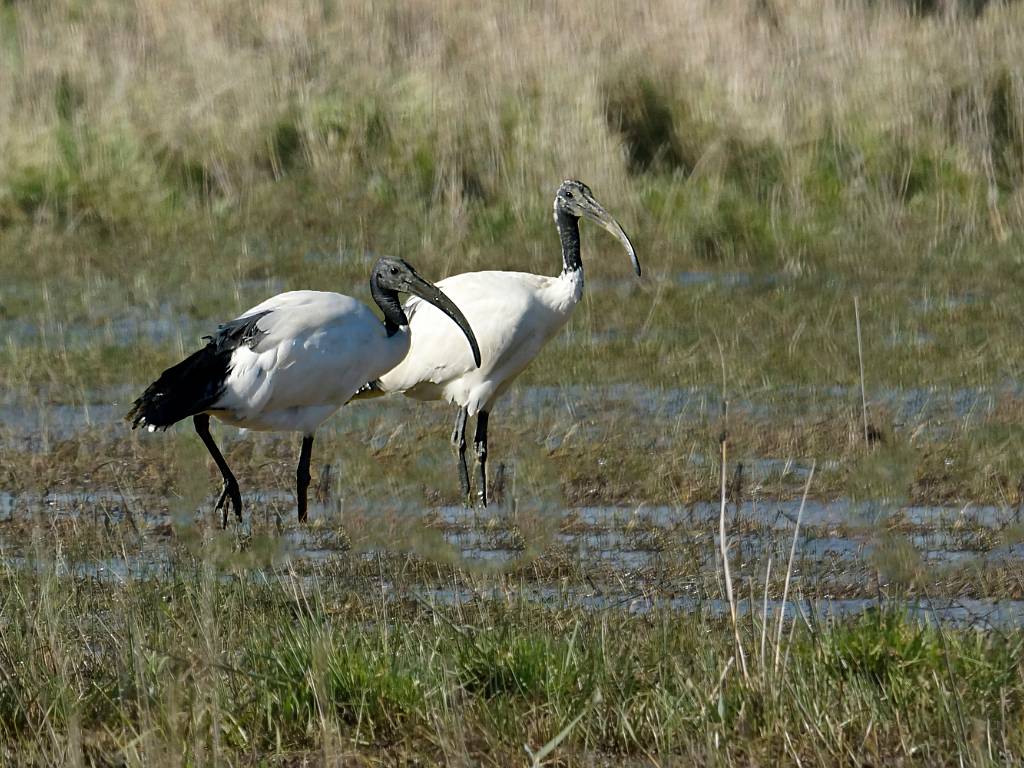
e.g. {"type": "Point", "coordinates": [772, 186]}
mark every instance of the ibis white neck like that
{"type": "Point", "coordinates": [572, 280]}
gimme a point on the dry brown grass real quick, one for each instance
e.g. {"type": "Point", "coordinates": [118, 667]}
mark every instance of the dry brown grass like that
{"type": "Point", "coordinates": [466, 100]}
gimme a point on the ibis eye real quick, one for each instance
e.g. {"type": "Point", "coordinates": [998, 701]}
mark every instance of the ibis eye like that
{"type": "Point", "coordinates": [394, 270]}
{"type": "Point", "coordinates": [569, 195]}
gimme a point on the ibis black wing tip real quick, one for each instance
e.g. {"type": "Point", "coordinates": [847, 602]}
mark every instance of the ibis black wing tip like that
{"type": "Point", "coordinates": [133, 416]}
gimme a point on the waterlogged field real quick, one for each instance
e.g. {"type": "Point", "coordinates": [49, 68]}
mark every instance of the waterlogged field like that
{"type": "Point", "coordinates": [822, 361]}
{"type": "Point", "coordinates": [585, 610]}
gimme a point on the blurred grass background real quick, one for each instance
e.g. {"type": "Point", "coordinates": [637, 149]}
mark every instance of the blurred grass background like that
{"type": "Point", "coordinates": [185, 160]}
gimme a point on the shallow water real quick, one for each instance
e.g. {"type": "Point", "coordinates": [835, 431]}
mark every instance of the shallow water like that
{"type": "Point", "coordinates": [768, 514]}
{"type": "Point", "coordinates": [612, 544]}
{"type": "Point", "coordinates": [155, 563]}
{"type": "Point", "coordinates": [1000, 614]}
{"type": "Point", "coordinates": [139, 326]}
{"type": "Point", "coordinates": [60, 421]}
{"type": "Point", "coordinates": [586, 406]}
{"type": "Point", "coordinates": [152, 564]}
{"type": "Point", "coordinates": [625, 550]}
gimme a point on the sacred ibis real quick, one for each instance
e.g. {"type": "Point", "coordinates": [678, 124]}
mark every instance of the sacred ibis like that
{"type": "Point", "coordinates": [514, 315]}
{"type": "Point", "coordinates": [289, 363]}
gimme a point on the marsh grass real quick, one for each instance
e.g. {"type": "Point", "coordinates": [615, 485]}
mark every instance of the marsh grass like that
{"type": "Point", "coordinates": [127, 638]}
{"type": "Point", "coordinates": [205, 665]}
{"type": "Point", "coordinates": [163, 167]}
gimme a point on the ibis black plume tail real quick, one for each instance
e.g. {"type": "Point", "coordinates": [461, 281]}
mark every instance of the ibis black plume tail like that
{"type": "Point", "coordinates": [196, 383]}
{"type": "Point", "coordinates": [183, 390]}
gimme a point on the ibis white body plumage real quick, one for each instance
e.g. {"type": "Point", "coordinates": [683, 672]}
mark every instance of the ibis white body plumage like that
{"type": "Point", "coordinates": [514, 314]}
{"type": "Point", "coordinates": [313, 351]}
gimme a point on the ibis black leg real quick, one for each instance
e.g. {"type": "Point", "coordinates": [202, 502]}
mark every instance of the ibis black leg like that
{"type": "Point", "coordinates": [459, 446]}
{"type": "Point", "coordinates": [480, 445]}
{"type": "Point", "coordinates": [302, 476]}
{"type": "Point", "coordinates": [201, 422]}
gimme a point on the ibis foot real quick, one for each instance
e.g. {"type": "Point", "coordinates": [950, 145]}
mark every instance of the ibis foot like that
{"type": "Point", "coordinates": [229, 494]}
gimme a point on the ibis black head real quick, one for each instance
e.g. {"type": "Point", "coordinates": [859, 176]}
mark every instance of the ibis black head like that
{"type": "Point", "coordinates": [392, 275]}
{"type": "Point", "coordinates": [575, 199]}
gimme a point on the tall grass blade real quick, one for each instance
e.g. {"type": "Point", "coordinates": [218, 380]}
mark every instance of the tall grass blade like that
{"type": "Point", "coordinates": [789, 568]}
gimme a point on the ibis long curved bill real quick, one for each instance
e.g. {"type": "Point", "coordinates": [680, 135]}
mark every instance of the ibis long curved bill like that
{"type": "Point", "coordinates": [594, 211]}
{"type": "Point", "coordinates": [417, 286]}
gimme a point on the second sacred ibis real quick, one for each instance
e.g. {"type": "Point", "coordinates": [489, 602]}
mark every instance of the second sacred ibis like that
{"type": "Point", "coordinates": [514, 314]}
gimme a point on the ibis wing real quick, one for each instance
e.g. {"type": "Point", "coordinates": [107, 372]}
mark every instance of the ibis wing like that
{"type": "Point", "coordinates": [242, 330]}
{"type": "Point", "coordinates": [308, 348]}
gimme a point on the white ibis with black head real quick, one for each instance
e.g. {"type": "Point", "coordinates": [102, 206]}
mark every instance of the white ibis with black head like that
{"type": "Point", "coordinates": [514, 314]}
{"type": "Point", "coordinates": [289, 363]}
